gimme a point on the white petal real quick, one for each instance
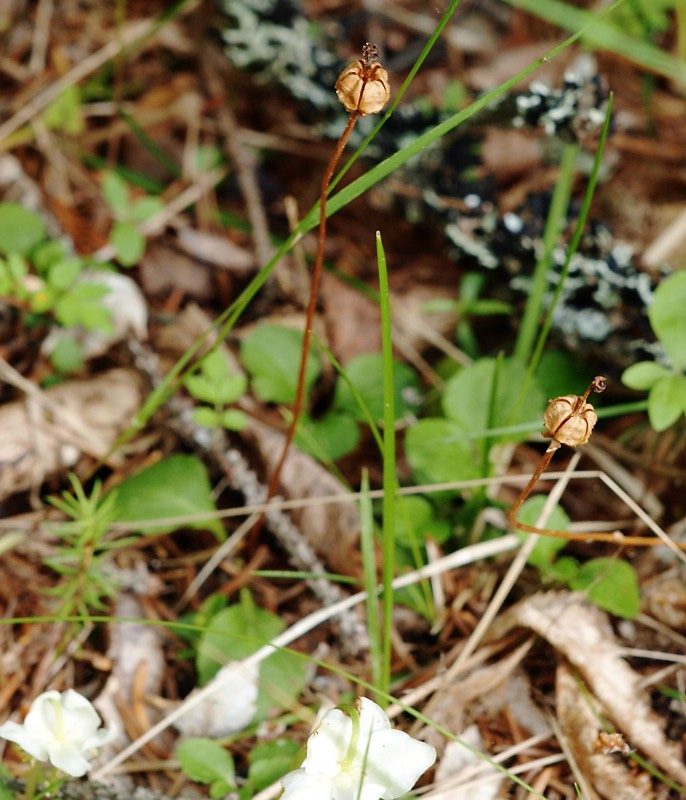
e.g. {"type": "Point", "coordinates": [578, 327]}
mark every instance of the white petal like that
{"type": "Point", "coordinates": [298, 785]}
{"type": "Point", "coordinates": [372, 717]}
{"type": "Point", "coordinates": [27, 740]}
{"type": "Point", "coordinates": [69, 759]}
{"type": "Point", "coordinates": [328, 745]}
{"type": "Point", "coordinates": [80, 721]}
{"type": "Point", "coordinates": [396, 760]}
{"type": "Point", "coordinates": [100, 738]}
{"type": "Point", "coordinates": [42, 716]}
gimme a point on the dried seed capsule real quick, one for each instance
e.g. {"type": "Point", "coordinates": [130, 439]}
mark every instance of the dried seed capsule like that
{"type": "Point", "coordinates": [569, 420]}
{"type": "Point", "coordinates": [363, 86]}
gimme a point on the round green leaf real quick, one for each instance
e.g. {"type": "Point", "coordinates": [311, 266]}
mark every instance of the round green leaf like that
{"type": "Point", "coordinates": [271, 353]}
{"type": "Point", "coordinates": [67, 355]}
{"type": "Point", "coordinates": [415, 517]}
{"type": "Point", "coordinates": [438, 451]}
{"type": "Point", "coordinates": [145, 208]}
{"type": "Point", "coordinates": [233, 419]}
{"type": "Point", "coordinates": [128, 242]}
{"type": "Point", "coordinates": [546, 547]}
{"type": "Point", "coordinates": [63, 273]}
{"type": "Point", "coordinates": [366, 374]}
{"type": "Point", "coordinates": [205, 761]}
{"type": "Point", "coordinates": [644, 375]}
{"type": "Point", "coordinates": [206, 416]}
{"type": "Point", "coordinates": [20, 229]}
{"type": "Point", "coordinates": [176, 486]}
{"type": "Point", "coordinates": [269, 761]}
{"type": "Point", "coordinates": [116, 193]}
{"type": "Point", "coordinates": [667, 402]}
{"type": "Point", "coordinates": [467, 397]}
{"type": "Point", "coordinates": [668, 318]}
{"type": "Point", "coordinates": [611, 584]}
{"type": "Point", "coordinates": [331, 437]}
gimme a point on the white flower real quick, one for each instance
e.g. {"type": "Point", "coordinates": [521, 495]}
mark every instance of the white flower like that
{"type": "Point", "coordinates": [361, 760]}
{"type": "Point", "coordinates": [61, 728]}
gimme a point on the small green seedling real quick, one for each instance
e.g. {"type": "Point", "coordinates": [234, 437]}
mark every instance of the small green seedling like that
{"type": "Point", "coordinates": [44, 281]}
{"type": "Point", "coordinates": [82, 555]}
{"type": "Point", "coordinates": [129, 213]}
{"type": "Point", "coordinates": [666, 385]}
{"type": "Point", "coordinates": [217, 387]}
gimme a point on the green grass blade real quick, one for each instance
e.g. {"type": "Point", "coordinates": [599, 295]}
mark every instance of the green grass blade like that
{"type": "Point", "coordinates": [557, 216]}
{"type": "Point", "coordinates": [389, 468]}
{"type": "Point", "coordinates": [576, 237]}
{"type": "Point", "coordinates": [370, 581]}
{"type": "Point", "coordinates": [606, 36]}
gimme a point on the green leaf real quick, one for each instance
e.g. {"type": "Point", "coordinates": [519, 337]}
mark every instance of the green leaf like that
{"type": "Point", "coordinates": [270, 761]}
{"type": "Point", "coordinates": [67, 355]}
{"type": "Point", "coordinates": [177, 486]}
{"type": "Point", "coordinates": [668, 318]}
{"type": "Point", "coordinates": [560, 373]}
{"type": "Point", "coordinates": [331, 437]}
{"type": "Point", "coordinates": [467, 397]}
{"type": "Point", "coordinates": [207, 417]}
{"type": "Point", "coordinates": [233, 419]}
{"type": "Point", "coordinates": [64, 113]}
{"type": "Point", "coordinates": [644, 375]}
{"type": "Point", "coordinates": [415, 516]}
{"type": "Point", "coordinates": [271, 353]}
{"type": "Point", "coordinates": [366, 374]}
{"type": "Point", "coordinates": [563, 570]}
{"type": "Point", "coordinates": [237, 632]}
{"type": "Point", "coordinates": [206, 761]}
{"type": "Point", "coordinates": [611, 584]}
{"type": "Point", "coordinates": [438, 451]}
{"type": "Point", "coordinates": [546, 547]}
{"type": "Point", "coordinates": [128, 242]}
{"type": "Point", "coordinates": [47, 254]}
{"type": "Point", "coordinates": [144, 208]}
{"type": "Point", "coordinates": [667, 401]}
{"type": "Point", "coordinates": [214, 384]}
{"type": "Point", "coordinates": [63, 273]}
{"type": "Point", "coordinates": [82, 305]}
{"type": "Point", "coordinates": [117, 194]}
{"type": "Point", "coordinates": [20, 229]}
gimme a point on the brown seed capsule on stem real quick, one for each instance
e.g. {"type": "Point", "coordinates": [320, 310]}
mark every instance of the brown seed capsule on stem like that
{"type": "Point", "coordinates": [363, 86]}
{"type": "Point", "coordinates": [570, 419]}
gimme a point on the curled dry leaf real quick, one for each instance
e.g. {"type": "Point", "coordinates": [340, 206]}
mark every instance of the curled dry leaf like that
{"type": "Point", "coordinates": [582, 634]}
{"type": "Point", "coordinates": [609, 776]}
{"type": "Point", "coordinates": [45, 434]}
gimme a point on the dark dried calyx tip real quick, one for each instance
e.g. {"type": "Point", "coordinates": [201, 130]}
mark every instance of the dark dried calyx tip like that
{"type": "Point", "coordinates": [599, 384]}
{"type": "Point", "coordinates": [370, 53]}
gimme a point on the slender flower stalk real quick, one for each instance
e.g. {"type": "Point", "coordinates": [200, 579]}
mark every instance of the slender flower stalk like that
{"type": "Point", "coordinates": [363, 89]}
